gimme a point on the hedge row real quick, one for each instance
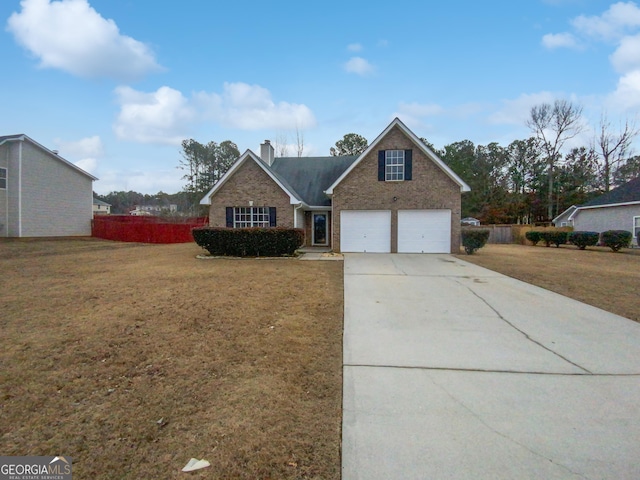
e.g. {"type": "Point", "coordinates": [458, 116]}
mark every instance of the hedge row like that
{"type": "Point", "coordinates": [614, 239]}
{"type": "Point", "coordinates": [249, 242]}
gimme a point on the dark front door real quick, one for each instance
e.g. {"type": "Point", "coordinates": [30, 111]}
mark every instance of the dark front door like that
{"type": "Point", "coordinates": [320, 229]}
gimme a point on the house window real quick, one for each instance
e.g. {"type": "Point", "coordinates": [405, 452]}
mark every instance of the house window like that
{"type": "Point", "coordinates": [3, 178]}
{"type": "Point", "coordinates": [244, 217]}
{"type": "Point", "coordinates": [636, 228]}
{"type": "Point", "coordinates": [394, 165]}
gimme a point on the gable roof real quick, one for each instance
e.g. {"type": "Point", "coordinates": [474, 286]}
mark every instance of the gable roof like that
{"type": "Point", "coordinates": [310, 176]}
{"type": "Point", "coordinates": [21, 137]}
{"type": "Point", "coordinates": [249, 156]}
{"type": "Point", "coordinates": [97, 201]}
{"type": "Point", "coordinates": [629, 192]}
{"type": "Point", "coordinates": [426, 150]}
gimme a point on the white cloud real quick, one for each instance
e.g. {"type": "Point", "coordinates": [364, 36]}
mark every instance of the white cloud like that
{"type": "Point", "coordinates": [158, 117]}
{"type": "Point", "coordinates": [150, 180]}
{"type": "Point", "coordinates": [627, 94]}
{"type": "Point", "coordinates": [87, 164]}
{"type": "Point", "coordinates": [420, 110]}
{"type": "Point", "coordinates": [627, 56]}
{"type": "Point", "coordinates": [359, 66]}
{"type": "Point", "coordinates": [559, 40]}
{"type": "Point", "coordinates": [71, 36]}
{"type": "Point", "coordinates": [166, 115]}
{"type": "Point", "coordinates": [85, 147]}
{"type": "Point", "coordinates": [354, 47]}
{"type": "Point", "coordinates": [612, 24]}
{"type": "Point", "coordinates": [517, 111]}
{"type": "Point", "coordinates": [251, 107]}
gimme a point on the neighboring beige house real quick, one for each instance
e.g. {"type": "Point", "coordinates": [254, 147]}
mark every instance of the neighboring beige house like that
{"type": "Point", "coordinates": [397, 196]}
{"type": "Point", "coordinates": [618, 209]}
{"type": "Point", "coordinates": [101, 208]}
{"type": "Point", "coordinates": [41, 193]}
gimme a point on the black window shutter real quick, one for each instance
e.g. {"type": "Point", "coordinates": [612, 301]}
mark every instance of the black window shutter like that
{"type": "Point", "coordinates": [230, 217]}
{"type": "Point", "coordinates": [408, 164]}
{"type": "Point", "coordinates": [272, 216]}
{"type": "Point", "coordinates": [381, 165]}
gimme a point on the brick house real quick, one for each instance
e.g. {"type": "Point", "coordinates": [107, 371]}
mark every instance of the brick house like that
{"type": "Point", "coordinates": [397, 196]}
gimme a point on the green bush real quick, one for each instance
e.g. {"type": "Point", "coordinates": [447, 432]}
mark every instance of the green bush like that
{"type": "Point", "coordinates": [473, 239]}
{"type": "Point", "coordinates": [557, 237]}
{"type": "Point", "coordinates": [583, 240]}
{"type": "Point", "coordinates": [533, 236]}
{"type": "Point", "coordinates": [616, 239]}
{"type": "Point", "coordinates": [249, 242]}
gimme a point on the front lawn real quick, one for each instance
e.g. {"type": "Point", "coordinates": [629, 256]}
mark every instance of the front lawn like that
{"type": "Point", "coordinates": [131, 359]}
{"type": "Point", "coordinates": [596, 276]}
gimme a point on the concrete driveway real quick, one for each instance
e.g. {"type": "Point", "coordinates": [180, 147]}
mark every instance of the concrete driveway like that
{"type": "Point", "coordinates": [454, 371]}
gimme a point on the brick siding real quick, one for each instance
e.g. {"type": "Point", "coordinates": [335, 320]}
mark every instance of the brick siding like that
{"type": "Point", "coordinates": [430, 188]}
{"type": "Point", "coordinates": [250, 183]}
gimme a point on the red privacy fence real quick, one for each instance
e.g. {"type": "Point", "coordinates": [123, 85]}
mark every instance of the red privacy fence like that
{"type": "Point", "coordinates": [128, 228]}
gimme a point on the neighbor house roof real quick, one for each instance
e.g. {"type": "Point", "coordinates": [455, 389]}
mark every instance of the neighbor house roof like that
{"type": "Point", "coordinates": [629, 192]}
{"type": "Point", "coordinates": [21, 137]}
{"type": "Point", "coordinates": [97, 201]}
{"type": "Point", "coordinates": [419, 143]}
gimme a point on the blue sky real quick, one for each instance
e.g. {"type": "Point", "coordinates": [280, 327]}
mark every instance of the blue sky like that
{"type": "Point", "coordinates": [115, 85]}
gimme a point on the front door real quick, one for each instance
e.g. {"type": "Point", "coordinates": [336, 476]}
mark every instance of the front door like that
{"type": "Point", "coordinates": [320, 236]}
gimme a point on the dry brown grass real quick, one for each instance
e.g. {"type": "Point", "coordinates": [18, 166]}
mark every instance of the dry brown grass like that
{"type": "Point", "coordinates": [134, 358]}
{"type": "Point", "coordinates": [596, 276]}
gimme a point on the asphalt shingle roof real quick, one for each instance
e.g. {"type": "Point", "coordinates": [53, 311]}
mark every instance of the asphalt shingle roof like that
{"type": "Point", "coordinates": [309, 177]}
{"type": "Point", "coordinates": [629, 192]}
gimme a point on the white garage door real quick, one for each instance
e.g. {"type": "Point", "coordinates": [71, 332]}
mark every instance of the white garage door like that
{"type": "Point", "coordinates": [424, 231]}
{"type": "Point", "coordinates": [365, 231]}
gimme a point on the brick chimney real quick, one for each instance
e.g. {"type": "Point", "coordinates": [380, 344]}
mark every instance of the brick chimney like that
{"type": "Point", "coordinates": [267, 153]}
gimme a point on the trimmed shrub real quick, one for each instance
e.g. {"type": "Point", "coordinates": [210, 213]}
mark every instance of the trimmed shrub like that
{"type": "Point", "coordinates": [553, 236]}
{"type": "Point", "coordinates": [533, 236]}
{"type": "Point", "coordinates": [616, 239]}
{"type": "Point", "coordinates": [474, 238]}
{"type": "Point", "coordinates": [249, 242]}
{"type": "Point", "coordinates": [583, 240]}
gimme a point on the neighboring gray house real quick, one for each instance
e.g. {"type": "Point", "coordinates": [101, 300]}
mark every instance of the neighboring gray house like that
{"type": "Point", "coordinates": [618, 209]}
{"type": "Point", "coordinates": [41, 193]}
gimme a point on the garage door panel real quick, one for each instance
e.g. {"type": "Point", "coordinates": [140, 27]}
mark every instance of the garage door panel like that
{"type": "Point", "coordinates": [424, 231]}
{"type": "Point", "coordinates": [365, 231]}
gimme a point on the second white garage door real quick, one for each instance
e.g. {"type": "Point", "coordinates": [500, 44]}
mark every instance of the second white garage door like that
{"type": "Point", "coordinates": [424, 231]}
{"type": "Point", "coordinates": [365, 231]}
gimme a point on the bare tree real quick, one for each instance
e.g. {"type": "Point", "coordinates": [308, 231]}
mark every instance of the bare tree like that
{"type": "Point", "coordinates": [281, 148]}
{"type": "Point", "coordinates": [553, 125]}
{"type": "Point", "coordinates": [299, 141]}
{"type": "Point", "coordinates": [613, 148]}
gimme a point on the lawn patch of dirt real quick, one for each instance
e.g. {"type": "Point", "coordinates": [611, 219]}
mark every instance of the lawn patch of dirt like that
{"type": "Point", "coordinates": [596, 276]}
{"type": "Point", "coordinates": [131, 359]}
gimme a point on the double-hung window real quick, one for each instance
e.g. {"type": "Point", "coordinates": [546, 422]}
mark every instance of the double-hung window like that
{"type": "Point", "coordinates": [244, 217]}
{"type": "Point", "coordinates": [3, 178]}
{"type": "Point", "coordinates": [394, 165]}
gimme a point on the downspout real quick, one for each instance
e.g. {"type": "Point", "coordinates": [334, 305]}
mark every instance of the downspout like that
{"type": "Point", "coordinates": [20, 189]}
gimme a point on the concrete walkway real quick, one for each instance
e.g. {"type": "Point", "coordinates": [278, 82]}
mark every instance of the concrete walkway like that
{"type": "Point", "coordinates": [454, 371]}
